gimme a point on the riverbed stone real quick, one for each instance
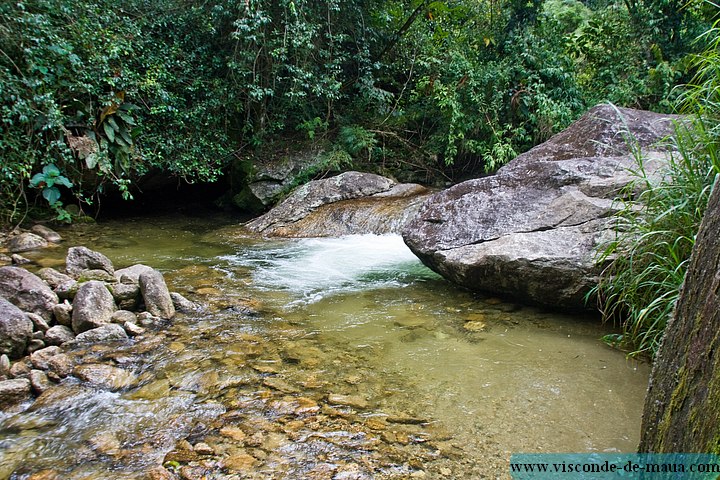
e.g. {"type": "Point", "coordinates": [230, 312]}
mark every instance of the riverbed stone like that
{"type": "Point", "coordinates": [40, 358]}
{"type": "Point", "coordinates": [182, 304]}
{"type": "Point", "coordinates": [80, 259]}
{"type": "Point", "coordinates": [25, 242]}
{"type": "Point", "coordinates": [35, 344]}
{"type": "Point", "coordinates": [93, 306]}
{"type": "Point", "coordinates": [531, 231]}
{"type": "Point", "coordinates": [59, 366]}
{"type": "Point", "coordinates": [39, 323]}
{"type": "Point", "coordinates": [131, 274]}
{"type": "Point", "coordinates": [63, 313]}
{"type": "Point", "coordinates": [67, 290]}
{"type": "Point", "coordinates": [59, 334]}
{"type": "Point", "coordinates": [110, 332]}
{"type": "Point", "coordinates": [122, 316]}
{"type": "Point", "coordinates": [39, 381]}
{"type": "Point", "coordinates": [133, 329]}
{"type": "Point", "coordinates": [14, 391]}
{"type": "Point", "coordinates": [16, 330]}
{"type": "Point", "coordinates": [354, 401]}
{"type": "Point", "coordinates": [27, 291]}
{"type": "Point", "coordinates": [105, 376]}
{"type": "Point", "coordinates": [125, 291]}
{"type": "Point", "coordinates": [53, 277]}
{"type": "Point", "coordinates": [156, 294]}
{"type": "Point", "coordinates": [47, 233]}
{"type": "Point", "coordinates": [20, 368]}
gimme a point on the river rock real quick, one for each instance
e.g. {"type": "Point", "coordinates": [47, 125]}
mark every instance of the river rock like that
{"type": "Point", "coordinates": [63, 313]}
{"type": "Point", "coordinates": [35, 344]}
{"type": "Point", "coordinates": [182, 304]}
{"type": "Point", "coordinates": [59, 366]}
{"type": "Point", "coordinates": [350, 203]}
{"type": "Point", "coordinates": [131, 275]}
{"type": "Point", "coordinates": [40, 358]}
{"type": "Point", "coordinates": [14, 391]}
{"type": "Point", "coordinates": [122, 316]}
{"type": "Point", "coordinates": [25, 242]}
{"type": "Point", "coordinates": [18, 259]}
{"type": "Point", "coordinates": [105, 376]}
{"type": "Point", "coordinates": [156, 294]}
{"type": "Point", "coordinates": [39, 323]}
{"type": "Point", "coordinates": [47, 233]}
{"type": "Point", "coordinates": [106, 333]}
{"type": "Point", "coordinates": [39, 381]}
{"type": "Point", "coordinates": [16, 330]}
{"type": "Point", "coordinates": [27, 291]}
{"type": "Point", "coordinates": [53, 277]}
{"type": "Point", "coordinates": [354, 401]}
{"type": "Point", "coordinates": [67, 290]}
{"type": "Point", "coordinates": [59, 334]}
{"type": "Point", "coordinates": [531, 231]}
{"type": "Point", "coordinates": [80, 259]}
{"type": "Point", "coordinates": [93, 306]}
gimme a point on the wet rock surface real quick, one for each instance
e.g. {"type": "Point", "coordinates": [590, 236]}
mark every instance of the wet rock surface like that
{"type": "Point", "coordinates": [531, 231]}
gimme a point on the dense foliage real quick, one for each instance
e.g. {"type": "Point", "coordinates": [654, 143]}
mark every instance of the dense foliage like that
{"type": "Point", "coordinates": [649, 257]}
{"type": "Point", "coordinates": [102, 92]}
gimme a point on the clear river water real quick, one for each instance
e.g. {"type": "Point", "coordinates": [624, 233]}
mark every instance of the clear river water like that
{"type": "Point", "coordinates": [334, 358]}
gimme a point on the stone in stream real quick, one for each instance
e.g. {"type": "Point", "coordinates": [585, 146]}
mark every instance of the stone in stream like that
{"type": "Point", "coordinates": [131, 275]}
{"type": "Point", "coordinates": [14, 391]}
{"type": "Point", "coordinates": [25, 242]}
{"type": "Point", "coordinates": [182, 304]}
{"type": "Point", "coordinates": [531, 231]}
{"type": "Point", "coordinates": [59, 334]}
{"type": "Point", "coordinates": [156, 294]}
{"type": "Point", "coordinates": [63, 313]}
{"type": "Point", "coordinates": [93, 306]}
{"type": "Point", "coordinates": [39, 381]}
{"type": "Point", "coordinates": [80, 259]}
{"type": "Point", "coordinates": [47, 233]}
{"type": "Point", "coordinates": [105, 376]}
{"type": "Point", "coordinates": [27, 291]}
{"type": "Point", "coordinates": [16, 330]}
{"type": "Point", "coordinates": [40, 359]}
{"type": "Point", "coordinates": [354, 401]}
{"type": "Point", "coordinates": [110, 332]}
{"type": "Point", "coordinates": [39, 323]}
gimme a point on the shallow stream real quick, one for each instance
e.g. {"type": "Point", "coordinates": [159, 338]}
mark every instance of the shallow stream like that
{"type": "Point", "coordinates": [322, 358]}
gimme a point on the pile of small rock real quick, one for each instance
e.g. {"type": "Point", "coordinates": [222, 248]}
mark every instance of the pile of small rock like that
{"type": "Point", "coordinates": [43, 314]}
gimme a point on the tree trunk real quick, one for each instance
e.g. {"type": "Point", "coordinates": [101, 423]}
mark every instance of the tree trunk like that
{"type": "Point", "coordinates": [682, 408]}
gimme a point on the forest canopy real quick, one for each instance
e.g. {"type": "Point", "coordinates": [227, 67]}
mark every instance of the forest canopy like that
{"type": "Point", "coordinates": [95, 94]}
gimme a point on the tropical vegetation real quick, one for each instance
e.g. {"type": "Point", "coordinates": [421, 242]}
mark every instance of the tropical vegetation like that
{"type": "Point", "coordinates": [95, 94]}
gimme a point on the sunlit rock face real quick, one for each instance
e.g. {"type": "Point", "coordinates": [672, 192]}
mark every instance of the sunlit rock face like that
{"type": "Point", "coordinates": [531, 231]}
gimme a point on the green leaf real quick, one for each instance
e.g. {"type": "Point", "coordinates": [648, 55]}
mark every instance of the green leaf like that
{"type": "Point", "coordinates": [126, 136]}
{"type": "Point", "coordinates": [109, 132]}
{"type": "Point", "coordinates": [62, 180]}
{"type": "Point", "coordinates": [91, 161]}
{"type": "Point", "coordinates": [113, 123]}
{"type": "Point", "coordinates": [51, 170]}
{"type": "Point", "coordinates": [126, 118]}
{"type": "Point", "coordinates": [51, 194]}
{"type": "Point", "coordinates": [37, 179]}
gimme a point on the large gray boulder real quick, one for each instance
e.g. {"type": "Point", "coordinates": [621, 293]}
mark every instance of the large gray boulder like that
{"type": "Point", "coordinates": [27, 291]}
{"type": "Point", "coordinates": [350, 203]}
{"type": "Point", "coordinates": [92, 306]}
{"type": "Point", "coordinates": [531, 231]}
{"type": "Point", "coordinates": [16, 330]}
